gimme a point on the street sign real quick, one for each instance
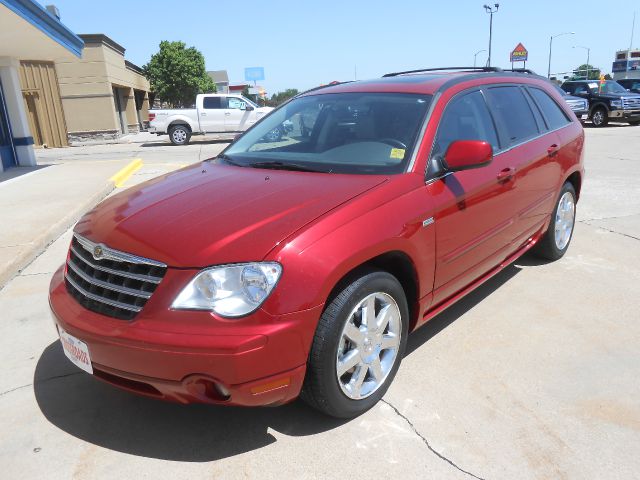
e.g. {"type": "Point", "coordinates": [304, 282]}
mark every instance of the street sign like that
{"type": "Point", "coordinates": [254, 74]}
{"type": "Point", "coordinates": [519, 54]}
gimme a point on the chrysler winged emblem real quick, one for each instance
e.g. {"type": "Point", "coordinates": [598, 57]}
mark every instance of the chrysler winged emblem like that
{"type": "Point", "coordinates": [97, 252]}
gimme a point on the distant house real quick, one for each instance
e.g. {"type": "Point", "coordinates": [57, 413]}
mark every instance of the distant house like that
{"type": "Point", "coordinates": [221, 79]}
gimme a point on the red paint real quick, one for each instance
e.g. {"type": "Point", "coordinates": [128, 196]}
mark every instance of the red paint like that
{"type": "Point", "coordinates": [319, 227]}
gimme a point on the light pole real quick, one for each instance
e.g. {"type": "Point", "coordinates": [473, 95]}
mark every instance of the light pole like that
{"type": "Point", "coordinates": [475, 55]}
{"type": "Point", "coordinates": [550, 46]}
{"type": "Point", "coordinates": [588, 53]}
{"type": "Point", "coordinates": [490, 10]}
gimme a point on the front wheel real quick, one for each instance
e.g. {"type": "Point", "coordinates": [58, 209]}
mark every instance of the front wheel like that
{"type": "Point", "coordinates": [554, 244]}
{"type": "Point", "coordinates": [179, 135]}
{"type": "Point", "coordinates": [599, 117]}
{"type": "Point", "coordinates": [358, 346]}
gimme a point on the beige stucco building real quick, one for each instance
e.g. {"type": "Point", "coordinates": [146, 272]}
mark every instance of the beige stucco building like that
{"type": "Point", "coordinates": [103, 95]}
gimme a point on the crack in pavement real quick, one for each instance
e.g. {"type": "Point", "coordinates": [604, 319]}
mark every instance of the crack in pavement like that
{"type": "Point", "coordinates": [585, 222]}
{"type": "Point", "coordinates": [44, 380]}
{"type": "Point", "coordinates": [426, 442]}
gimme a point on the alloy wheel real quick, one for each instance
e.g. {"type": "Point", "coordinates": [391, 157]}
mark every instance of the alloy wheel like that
{"type": "Point", "coordinates": [565, 217]}
{"type": "Point", "coordinates": [369, 345]}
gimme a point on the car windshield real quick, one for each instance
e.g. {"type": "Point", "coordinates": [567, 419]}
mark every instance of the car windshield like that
{"type": "Point", "coordinates": [364, 133]}
{"type": "Point", "coordinates": [560, 91]}
{"type": "Point", "coordinates": [609, 87]}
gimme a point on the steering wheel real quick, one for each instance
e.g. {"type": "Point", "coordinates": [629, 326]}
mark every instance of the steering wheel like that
{"type": "Point", "coordinates": [393, 142]}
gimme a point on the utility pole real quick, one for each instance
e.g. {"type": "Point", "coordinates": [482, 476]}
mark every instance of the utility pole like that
{"type": "Point", "coordinates": [588, 53]}
{"type": "Point", "coordinates": [551, 45]}
{"type": "Point", "coordinates": [475, 55]}
{"type": "Point", "coordinates": [490, 10]}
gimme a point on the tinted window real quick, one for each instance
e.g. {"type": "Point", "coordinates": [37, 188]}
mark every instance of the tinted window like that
{"type": "Point", "coordinates": [465, 118]}
{"type": "Point", "coordinates": [363, 133]}
{"type": "Point", "coordinates": [553, 114]}
{"type": "Point", "coordinates": [212, 102]}
{"type": "Point", "coordinates": [513, 113]}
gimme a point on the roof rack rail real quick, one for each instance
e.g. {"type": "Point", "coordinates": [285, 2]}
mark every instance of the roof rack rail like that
{"type": "Point", "coordinates": [521, 70]}
{"type": "Point", "coordinates": [421, 70]}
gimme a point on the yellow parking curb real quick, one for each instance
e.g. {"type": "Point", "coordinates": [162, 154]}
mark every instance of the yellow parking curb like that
{"type": "Point", "coordinates": [123, 175]}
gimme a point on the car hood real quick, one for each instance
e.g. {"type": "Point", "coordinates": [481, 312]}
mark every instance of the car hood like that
{"type": "Point", "coordinates": [210, 214]}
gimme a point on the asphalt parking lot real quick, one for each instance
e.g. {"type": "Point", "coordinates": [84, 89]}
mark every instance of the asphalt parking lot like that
{"type": "Point", "coordinates": [532, 376]}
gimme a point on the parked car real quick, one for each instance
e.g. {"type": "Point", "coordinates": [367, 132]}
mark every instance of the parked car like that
{"type": "Point", "coordinates": [298, 268]}
{"type": "Point", "coordinates": [630, 84]}
{"type": "Point", "coordinates": [607, 102]}
{"type": "Point", "coordinates": [579, 106]}
{"type": "Point", "coordinates": [213, 113]}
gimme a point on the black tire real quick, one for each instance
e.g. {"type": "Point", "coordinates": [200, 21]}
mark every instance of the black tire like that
{"type": "Point", "coordinates": [599, 117]}
{"type": "Point", "coordinates": [321, 389]}
{"type": "Point", "coordinates": [179, 134]}
{"type": "Point", "coordinates": [634, 123]}
{"type": "Point", "coordinates": [547, 247]}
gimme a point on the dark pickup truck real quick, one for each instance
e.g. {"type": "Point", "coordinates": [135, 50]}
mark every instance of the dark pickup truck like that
{"type": "Point", "coordinates": [607, 102]}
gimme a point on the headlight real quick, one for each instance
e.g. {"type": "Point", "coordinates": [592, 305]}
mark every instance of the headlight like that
{"type": "Point", "coordinates": [231, 290]}
{"type": "Point", "coordinates": [616, 103]}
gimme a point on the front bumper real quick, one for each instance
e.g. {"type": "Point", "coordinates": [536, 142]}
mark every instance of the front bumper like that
{"type": "Point", "coordinates": [625, 115]}
{"type": "Point", "coordinates": [190, 356]}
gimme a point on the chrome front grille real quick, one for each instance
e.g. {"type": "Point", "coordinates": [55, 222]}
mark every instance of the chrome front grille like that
{"type": "Point", "coordinates": [110, 282]}
{"type": "Point", "coordinates": [631, 103]}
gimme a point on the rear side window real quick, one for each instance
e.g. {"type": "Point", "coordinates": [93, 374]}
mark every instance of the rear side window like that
{"type": "Point", "coordinates": [212, 103]}
{"type": "Point", "coordinates": [554, 116]}
{"type": "Point", "coordinates": [465, 118]}
{"type": "Point", "coordinates": [513, 113]}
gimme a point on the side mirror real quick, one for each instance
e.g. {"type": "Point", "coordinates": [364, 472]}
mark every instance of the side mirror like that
{"type": "Point", "coordinates": [466, 154]}
{"type": "Point", "coordinates": [248, 108]}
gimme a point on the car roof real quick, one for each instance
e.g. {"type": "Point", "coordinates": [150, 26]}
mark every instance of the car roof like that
{"type": "Point", "coordinates": [425, 83]}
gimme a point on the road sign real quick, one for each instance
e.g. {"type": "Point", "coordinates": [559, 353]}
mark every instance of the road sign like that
{"type": "Point", "coordinates": [254, 74]}
{"type": "Point", "coordinates": [519, 54]}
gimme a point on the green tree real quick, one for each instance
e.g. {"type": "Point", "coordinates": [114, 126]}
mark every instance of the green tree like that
{"type": "Point", "coordinates": [177, 74]}
{"type": "Point", "coordinates": [281, 97]}
{"type": "Point", "coordinates": [582, 70]}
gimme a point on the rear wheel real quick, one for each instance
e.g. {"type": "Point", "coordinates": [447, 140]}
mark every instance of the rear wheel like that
{"type": "Point", "coordinates": [179, 134]}
{"type": "Point", "coordinates": [554, 244]}
{"type": "Point", "coordinates": [358, 346]}
{"type": "Point", "coordinates": [600, 117]}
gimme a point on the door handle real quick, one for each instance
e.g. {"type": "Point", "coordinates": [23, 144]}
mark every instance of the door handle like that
{"type": "Point", "coordinates": [203, 114]}
{"type": "Point", "coordinates": [552, 151]}
{"type": "Point", "coordinates": [227, 114]}
{"type": "Point", "coordinates": [506, 174]}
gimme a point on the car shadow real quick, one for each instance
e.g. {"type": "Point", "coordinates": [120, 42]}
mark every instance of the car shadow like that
{"type": "Point", "coordinates": [103, 415]}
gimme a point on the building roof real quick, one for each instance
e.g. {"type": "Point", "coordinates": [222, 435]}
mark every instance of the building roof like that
{"type": "Point", "coordinates": [219, 76]}
{"type": "Point", "coordinates": [38, 17]}
{"type": "Point", "coordinates": [101, 38]}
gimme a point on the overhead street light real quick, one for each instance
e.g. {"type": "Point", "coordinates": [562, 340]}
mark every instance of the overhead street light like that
{"type": "Point", "coordinates": [490, 10]}
{"type": "Point", "coordinates": [588, 53]}
{"type": "Point", "coordinates": [551, 45]}
{"type": "Point", "coordinates": [475, 55]}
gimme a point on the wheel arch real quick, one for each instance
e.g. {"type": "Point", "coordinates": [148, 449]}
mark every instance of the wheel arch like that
{"type": "Point", "coordinates": [575, 179]}
{"type": "Point", "coordinates": [180, 122]}
{"type": "Point", "coordinates": [396, 262]}
{"type": "Point", "coordinates": [596, 105]}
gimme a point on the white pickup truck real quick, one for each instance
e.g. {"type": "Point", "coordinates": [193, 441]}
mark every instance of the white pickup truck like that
{"type": "Point", "coordinates": [222, 114]}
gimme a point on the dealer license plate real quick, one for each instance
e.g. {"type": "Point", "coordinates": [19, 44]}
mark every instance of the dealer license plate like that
{"type": "Point", "coordinates": [76, 351]}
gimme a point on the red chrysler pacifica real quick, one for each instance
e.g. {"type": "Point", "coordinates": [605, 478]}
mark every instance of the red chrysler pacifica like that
{"type": "Point", "coordinates": [297, 267]}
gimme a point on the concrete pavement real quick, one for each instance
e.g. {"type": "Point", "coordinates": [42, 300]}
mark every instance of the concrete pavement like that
{"type": "Point", "coordinates": [532, 376]}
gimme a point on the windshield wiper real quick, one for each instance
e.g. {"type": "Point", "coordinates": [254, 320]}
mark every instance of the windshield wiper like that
{"type": "Point", "coordinates": [227, 159]}
{"type": "Point", "coordinates": [275, 165]}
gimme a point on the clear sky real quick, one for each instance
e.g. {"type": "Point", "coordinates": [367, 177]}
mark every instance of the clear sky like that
{"type": "Point", "coordinates": [302, 44]}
